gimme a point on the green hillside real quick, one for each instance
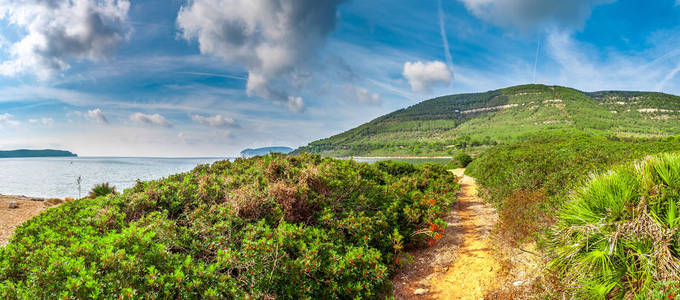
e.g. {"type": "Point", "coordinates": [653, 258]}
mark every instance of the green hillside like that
{"type": "Point", "coordinates": [442, 125]}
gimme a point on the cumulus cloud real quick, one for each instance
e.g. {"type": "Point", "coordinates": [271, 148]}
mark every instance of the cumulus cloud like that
{"type": "Point", "coordinates": [57, 31]}
{"type": "Point", "coordinates": [97, 115]}
{"type": "Point", "coordinates": [270, 38]}
{"type": "Point", "coordinates": [422, 76]}
{"type": "Point", "coordinates": [295, 104]}
{"type": "Point", "coordinates": [529, 14]}
{"type": "Point", "coordinates": [366, 97]}
{"type": "Point", "coordinates": [148, 119]}
{"type": "Point", "coordinates": [43, 121]}
{"type": "Point", "coordinates": [6, 119]}
{"type": "Point", "coordinates": [216, 121]}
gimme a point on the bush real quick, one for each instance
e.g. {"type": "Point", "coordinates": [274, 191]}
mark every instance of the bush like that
{"type": "Point", "coordinates": [552, 162]}
{"type": "Point", "coordinates": [619, 235]}
{"type": "Point", "coordinates": [101, 190]}
{"type": "Point", "coordinates": [463, 159]}
{"type": "Point", "coordinates": [274, 226]}
{"type": "Point", "coordinates": [523, 215]}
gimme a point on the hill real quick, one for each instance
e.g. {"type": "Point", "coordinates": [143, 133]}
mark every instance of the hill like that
{"type": "Point", "coordinates": [264, 151]}
{"type": "Point", "coordinates": [36, 153]}
{"type": "Point", "coordinates": [440, 126]}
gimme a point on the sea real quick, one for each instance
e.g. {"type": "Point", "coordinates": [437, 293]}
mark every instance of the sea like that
{"type": "Point", "coordinates": [57, 177]}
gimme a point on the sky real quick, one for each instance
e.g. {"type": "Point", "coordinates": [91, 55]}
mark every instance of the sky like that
{"type": "Point", "coordinates": [171, 78]}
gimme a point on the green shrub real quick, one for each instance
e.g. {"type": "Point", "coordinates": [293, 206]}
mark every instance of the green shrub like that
{"type": "Point", "coordinates": [275, 226]}
{"type": "Point", "coordinates": [101, 190]}
{"type": "Point", "coordinates": [552, 162]}
{"type": "Point", "coordinates": [619, 234]}
{"type": "Point", "coordinates": [463, 159]}
{"type": "Point", "coordinates": [396, 168]}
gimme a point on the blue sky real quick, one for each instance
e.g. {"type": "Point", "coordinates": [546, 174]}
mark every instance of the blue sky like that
{"type": "Point", "coordinates": [211, 77]}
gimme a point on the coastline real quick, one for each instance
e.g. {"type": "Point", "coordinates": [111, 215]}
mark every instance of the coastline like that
{"type": "Point", "coordinates": [11, 218]}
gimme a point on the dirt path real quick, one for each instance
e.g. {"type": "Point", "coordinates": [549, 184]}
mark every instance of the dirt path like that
{"type": "Point", "coordinates": [473, 269]}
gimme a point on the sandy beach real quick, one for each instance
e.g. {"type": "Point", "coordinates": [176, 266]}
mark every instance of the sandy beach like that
{"type": "Point", "coordinates": [11, 218]}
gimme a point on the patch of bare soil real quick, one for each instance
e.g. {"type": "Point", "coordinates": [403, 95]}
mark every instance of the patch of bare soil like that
{"type": "Point", "coordinates": [521, 272]}
{"type": "Point", "coordinates": [464, 264]}
{"type": "Point", "coordinates": [26, 208]}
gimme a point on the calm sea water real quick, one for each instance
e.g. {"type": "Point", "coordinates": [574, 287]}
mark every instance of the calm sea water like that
{"type": "Point", "coordinates": [56, 177]}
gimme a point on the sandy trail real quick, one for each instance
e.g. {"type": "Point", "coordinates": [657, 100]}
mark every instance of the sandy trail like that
{"type": "Point", "coordinates": [474, 270]}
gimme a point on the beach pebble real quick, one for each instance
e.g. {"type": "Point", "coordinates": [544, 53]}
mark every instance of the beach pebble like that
{"type": "Point", "coordinates": [518, 283]}
{"type": "Point", "coordinates": [13, 204]}
{"type": "Point", "coordinates": [420, 292]}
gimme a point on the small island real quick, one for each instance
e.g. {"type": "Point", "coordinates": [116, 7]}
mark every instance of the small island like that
{"type": "Point", "coordinates": [247, 153]}
{"type": "Point", "coordinates": [36, 153]}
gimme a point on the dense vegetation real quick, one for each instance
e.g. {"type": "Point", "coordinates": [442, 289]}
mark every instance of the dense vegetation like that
{"type": "Point", "coordinates": [526, 180]}
{"type": "Point", "coordinates": [619, 235]}
{"type": "Point", "coordinates": [463, 159]}
{"type": "Point", "coordinates": [531, 179]}
{"type": "Point", "coordinates": [450, 124]}
{"type": "Point", "coordinates": [276, 226]}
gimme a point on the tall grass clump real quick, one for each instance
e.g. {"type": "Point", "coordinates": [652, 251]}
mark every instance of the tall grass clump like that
{"type": "Point", "coordinates": [269, 227]}
{"type": "Point", "coordinates": [102, 189]}
{"type": "Point", "coordinates": [618, 236]}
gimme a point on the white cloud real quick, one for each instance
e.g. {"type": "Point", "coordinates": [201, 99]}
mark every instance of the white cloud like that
{"type": "Point", "coordinates": [531, 14]}
{"type": "Point", "coordinates": [43, 121]}
{"type": "Point", "coordinates": [57, 31]}
{"type": "Point", "coordinates": [585, 67]}
{"type": "Point", "coordinates": [97, 115]}
{"type": "Point", "coordinates": [423, 76]}
{"type": "Point", "coordinates": [366, 97]}
{"type": "Point", "coordinates": [216, 121]}
{"type": "Point", "coordinates": [295, 104]}
{"type": "Point", "coordinates": [6, 119]}
{"type": "Point", "coordinates": [445, 39]}
{"type": "Point", "coordinates": [272, 39]}
{"type": "Point", "coordinates": [154, 119]}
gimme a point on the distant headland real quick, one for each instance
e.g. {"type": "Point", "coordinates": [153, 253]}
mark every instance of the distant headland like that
{"type": "Point", "coordinates": [36, 153]}
{"type": "Point", "coordinates": [264, 151]}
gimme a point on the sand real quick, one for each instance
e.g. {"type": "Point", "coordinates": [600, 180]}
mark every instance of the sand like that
{"type": "Point", "coordinates": [11, 218]}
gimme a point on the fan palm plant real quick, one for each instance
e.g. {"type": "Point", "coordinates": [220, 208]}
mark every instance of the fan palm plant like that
{"type": "Point", "coordinates": [618, 235]}
{"type": "Point", "coordinates": [102, 189]}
